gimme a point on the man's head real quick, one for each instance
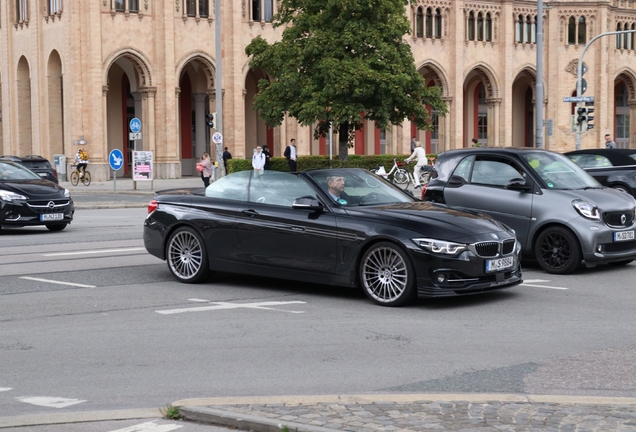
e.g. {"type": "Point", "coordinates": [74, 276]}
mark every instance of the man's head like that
{"type": "Point", "coordinates": [418, 144]}
{"type": "Point", "coordinates": [259, 149]}
{"type": "Point", "coordinates": [225, 148]}
{"type": "Point", "coordinates": [608, 137]}
{"type": "Point", "coordinates": [336, 185]}
{"type": "Point", "coordinates": [292, 141]}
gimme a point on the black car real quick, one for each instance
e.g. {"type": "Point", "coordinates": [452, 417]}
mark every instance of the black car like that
{"type": "Point", "coordinates": [27, 200]}
{"type": "Point", "coordinates": [38, 164]}
{"type": "Point", "coordinates": [615, 168]}
{"type": "Point", "coordinates": [294, 226]}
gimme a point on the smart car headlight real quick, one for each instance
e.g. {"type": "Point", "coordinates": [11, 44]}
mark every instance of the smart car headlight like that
{"type": "Point", "coordinates": [441, 246]}
{"type": "Point", "coordinates": [587, 209]}
{"type": "Point", "coordinates": [11, 196]}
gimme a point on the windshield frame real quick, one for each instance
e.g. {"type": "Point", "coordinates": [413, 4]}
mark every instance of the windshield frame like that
{"type": "Point", "coordinates": [575, 177]}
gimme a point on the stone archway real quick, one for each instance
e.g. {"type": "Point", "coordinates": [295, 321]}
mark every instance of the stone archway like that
{"type": "Point", "coordinates": [624, 112]}
{"type": "Point", "coordinates": [481, 107]}
{"type": "Point", "coordinates": [434, 141]}
{"type": "Point", "coordinates": [256, 131]}
{"type": "Point", "coordinates": [55, 90]}
{"type": "Point", "coordinates": [24, 124]}
{"type": "Point", "coordinates": [523, 109]}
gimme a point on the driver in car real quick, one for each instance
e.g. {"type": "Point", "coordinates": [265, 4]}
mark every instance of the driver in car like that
{"type": "Point", "coordinates": [336, 187]}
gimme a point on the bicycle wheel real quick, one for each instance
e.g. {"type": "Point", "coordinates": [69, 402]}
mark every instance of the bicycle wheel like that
{"type": "Point", "coordinates": [401, 176]}
{"type": "Point", "coordinates": [425, 177]}
{"type": "Point", "coordinates": [87, 178]}
{"type": "Point", "coordinates": [74, 178]}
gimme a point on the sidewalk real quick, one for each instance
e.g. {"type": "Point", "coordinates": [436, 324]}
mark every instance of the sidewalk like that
{"type": "Point", "coordinates": [415, 412]}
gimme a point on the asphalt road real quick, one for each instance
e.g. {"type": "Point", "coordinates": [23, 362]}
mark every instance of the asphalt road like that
{"type": "Point", "coordinates": [90, 322]}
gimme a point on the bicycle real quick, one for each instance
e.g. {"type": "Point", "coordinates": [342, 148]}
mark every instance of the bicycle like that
{"type": "Point", "coordinates": [399, 174]}
{"type": "Point", "coordinates": [425, 176]}
{"type": "Point", "coordinates": [75, 177]}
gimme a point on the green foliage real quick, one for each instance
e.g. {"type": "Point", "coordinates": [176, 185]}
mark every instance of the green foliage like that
{"type": "Point", "coordinates": [338, 59]}
{"type": "Point", "coordinates": [171, 412]}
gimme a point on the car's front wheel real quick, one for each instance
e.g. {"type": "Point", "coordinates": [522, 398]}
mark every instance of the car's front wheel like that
{"type": "Point", "coordinates": [386, 275]}
{"type": "Point", "coordinates": [557, 250]}
{"type": "Point", "coordinates": [187, 257]}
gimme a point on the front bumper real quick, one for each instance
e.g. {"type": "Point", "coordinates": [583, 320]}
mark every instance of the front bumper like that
{"type": "Point", "coordinates": [37, 212]}
{"type": "Point", "coordinates": [598, 244]}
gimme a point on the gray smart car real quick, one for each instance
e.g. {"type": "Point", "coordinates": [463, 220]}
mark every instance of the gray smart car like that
{"type": "Point", "coordinates": [560, 213]}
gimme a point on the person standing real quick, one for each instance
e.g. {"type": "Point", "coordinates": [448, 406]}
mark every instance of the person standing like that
{"type": "Point", "coordinates": [609, 142]}
{"type": "Point", "coordinates": [268, 158]}
{"type": "Point", "coordinates": [420, 154]}
{"type": "Point", "coordinates": [290, 154]}
{"type": "Point", "coordinates": [206, 169]}
{"type": "Point", "coordinates": [226, 156]}
{"type": "Point", "coordinates": [258, 160]}
{"type": "Point", "coordinates": [413, 143]}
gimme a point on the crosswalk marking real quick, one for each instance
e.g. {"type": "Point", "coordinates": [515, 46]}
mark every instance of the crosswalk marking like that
{"type": "Point", "coordinates": [227, 306]}
{"type": "Point", "coordinates": [57, 282]}
{"type": "Point", "coordinates": [5, 389]}
{"type": "Point", "coordinates": [51, 402]}
{"type": "Point", "coordinates": [150, 427]}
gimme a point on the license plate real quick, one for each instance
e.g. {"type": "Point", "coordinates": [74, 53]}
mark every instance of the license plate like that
{"type": "Point", "coordinates": [623, 236]}
{"type": "Point", "coordinates": [42, 174]}
{"type": "Point", "coordinates": [51, 216]}
{"type": "Point", "coordinates": [499, 264]}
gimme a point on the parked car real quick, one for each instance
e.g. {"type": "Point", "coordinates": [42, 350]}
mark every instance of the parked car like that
{"type": "Point", "coordinates": [26, 199]}
{"type": "Point", "coordinates": [38, 164]}
{"type": "Point", "coordinates": [561, 215]}
{"type": "Point", "coordinates": [615, 168]}
{"type": "Point", "coordinates": [287, 225]}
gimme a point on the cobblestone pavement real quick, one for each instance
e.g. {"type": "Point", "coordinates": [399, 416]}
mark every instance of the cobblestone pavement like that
{"type": "Point", "coordinates": [518, 413]}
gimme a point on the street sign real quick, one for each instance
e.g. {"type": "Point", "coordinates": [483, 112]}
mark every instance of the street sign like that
{"type": "Point", "coordinates": [132, 136]}
{"type": "Point", "coordinates": [116, 159]}
{"type": "Point", "coordinates": [583, 85]}
{"type": "Point", "coordinates": [578, 99]}
{"type": "Point", "coordinates": [217, 138]}
{"type": "Point", "coordinates": [135, 125]}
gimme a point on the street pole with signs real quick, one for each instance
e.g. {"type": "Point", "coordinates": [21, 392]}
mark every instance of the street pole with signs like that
{"type": "Point", "coordinates": [539, 88]}
{"type": "Point", "coordinates": [219, 87]}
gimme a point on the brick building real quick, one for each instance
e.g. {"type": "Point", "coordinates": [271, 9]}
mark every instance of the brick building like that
{"type": "Point", "coordinates": [80, 70]}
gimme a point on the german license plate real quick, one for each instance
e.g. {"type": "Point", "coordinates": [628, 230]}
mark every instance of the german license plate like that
{"type": "Point", "coordinates": [499, 264]}
{"type": "Point", "coordinates": [51, 216]}
{"type": "Point", "coordinates": [623, 235]}
{"type": "Point", "coordinates": [42, 174]}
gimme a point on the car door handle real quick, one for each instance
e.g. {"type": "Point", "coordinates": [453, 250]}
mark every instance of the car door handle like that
{"type": "Point", "coordinates": [250, 212]}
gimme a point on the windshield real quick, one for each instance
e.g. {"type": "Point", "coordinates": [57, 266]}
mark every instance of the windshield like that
{"type": "Point", "coordinates": [10, 171]}
{"type": "Point", "coordinates": [357, 187]}
{"type": "Point", "coordinates": [558, 172]}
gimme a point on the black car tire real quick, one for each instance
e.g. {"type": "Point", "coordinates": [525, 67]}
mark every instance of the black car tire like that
{"type": "Point", "coordinates": [622, 188]}
{"type": "Point", "coordinates": [186, 256]}
{"type": "Point", "coordinates": [56, 227]}
{"type": "Point", "coordinates": [386, 275]}
{"type": "Point", "coordinates": [557, 250]}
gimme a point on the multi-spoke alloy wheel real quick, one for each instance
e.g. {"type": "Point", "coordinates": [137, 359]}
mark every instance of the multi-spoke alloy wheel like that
{"type": "Point", "coordinates": [386, 275]}
{"type": "Point", "coordinates": [557, 250]}
{"type": "Point", "coordinates": [186, 255]}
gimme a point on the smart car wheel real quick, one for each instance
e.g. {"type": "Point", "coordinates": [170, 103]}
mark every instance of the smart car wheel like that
{"type": "Point", "coordinates": [386, 275]}
{"type": "Point", "coordinates": [186, 256]}
{"type": "Point", "coordinates": [557, 250]}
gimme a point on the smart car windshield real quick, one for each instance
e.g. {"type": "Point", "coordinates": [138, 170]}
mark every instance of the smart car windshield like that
{"type": "Point", "coordinates": [559, 172]}
{"type": "Point", "coordinates": [357, 187]}
{"type": "Point", "coordinates": [9, 172]}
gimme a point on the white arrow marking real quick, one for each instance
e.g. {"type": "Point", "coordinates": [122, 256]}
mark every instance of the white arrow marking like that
{"type": "Point", "coordinates": [226, 306]}
{"type": "Point", "coordinates": [150, 427]}
{"type": "Point", "coordinates": [51, 402]}
{"type": "Point", "coordinates": [57, 282]}
{"type": "Point", "coordinates": [93, 252]}
{"type": "Point", "coordinates": [5, 388]}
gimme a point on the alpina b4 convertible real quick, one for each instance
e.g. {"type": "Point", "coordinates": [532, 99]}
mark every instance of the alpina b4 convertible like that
{"type": "Point", "coordinates": [344, 227]}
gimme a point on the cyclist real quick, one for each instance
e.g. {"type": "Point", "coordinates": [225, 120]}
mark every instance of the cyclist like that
{"type": "Point", "coordinates": [81, 159]}
{"type": "Point", "coordinates": [422, 163]}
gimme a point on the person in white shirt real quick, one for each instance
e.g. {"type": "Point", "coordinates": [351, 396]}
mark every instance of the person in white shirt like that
{"type": "Point", "coordinates": [258, 160]}
{"type": "Point", "coordinates": [422, 161]}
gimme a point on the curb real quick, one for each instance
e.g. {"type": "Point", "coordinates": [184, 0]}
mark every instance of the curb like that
{"type": "Point", "coordinates": [78, 417]}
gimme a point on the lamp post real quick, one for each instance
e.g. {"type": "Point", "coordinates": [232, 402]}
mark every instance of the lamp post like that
{"type": "Point", "coordinates": [539, 86]}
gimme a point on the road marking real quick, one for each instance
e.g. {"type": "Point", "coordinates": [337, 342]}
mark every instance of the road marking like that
{"type": "Point", "coordinates": [51, 402]}
{"type": "Point", "coordinates": [532, 282]}
{"type": "Point", "coordinates": [93, 252]}
{"type": "Point", "coordinates": [227, 306]}
{"type": "Point", "coordinates": [535, 281]}
{"type": "Point", "coordinates": [150, 427]}
{"type": "Point", "coordinates": [5, 389]}
{"type": "Point", "coordinates": [199, 300]}
{"type": "Point", "coordinates": [57, 282]}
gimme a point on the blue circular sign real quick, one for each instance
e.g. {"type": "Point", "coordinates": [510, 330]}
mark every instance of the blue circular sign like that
{"type": "Point", "coordinates": [135, 125]}
{"type": "Point", "coordinates": [116, 159]}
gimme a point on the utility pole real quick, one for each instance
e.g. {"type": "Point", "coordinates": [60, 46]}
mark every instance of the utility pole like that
{"type": "Point", "coordinates": [539, 88]}
{"type": "Point", "coordinates": [218, 87]}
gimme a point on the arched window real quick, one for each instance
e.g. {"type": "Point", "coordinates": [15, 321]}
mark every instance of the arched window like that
{"type": "Point", "coordinates": [619, 27]}
{"type": "Point", "coordinates": [471, 26]}
{"type": "Point", "coordinates": [419, 23]}
{"type": "Point", "coordinates": [631, 38]}
{"type": "Point", "coordinates": [572, 31]}
{"type": "Point", "coordinates": [528, 29]}
{"type": "Point", "coordinates": [582, 31]}
{"type": "Point", "coordinates": [191, 6]}
{"type": "Point", "coordinates": [534, 30]}
{"type": "Point", "coordinates": [626, 38]}
{"type": "Point", "coordinates": [488, 27]}
{"type": "Point", "coordinates": [256, 10]}
{"type": "Point", "coordinates": [480, 27]}
{"type": "Point", "coordinates": [520, 29]}
{"type": "Point", "coordinates": [429, 23]}
{"type": "Point", "coordinates": [438, 24]}
{"type": "Point", "coordinates": [268, 10]}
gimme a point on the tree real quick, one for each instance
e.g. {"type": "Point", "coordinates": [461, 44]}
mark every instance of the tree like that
{"type": "Point", "coordinates": [338, 60]}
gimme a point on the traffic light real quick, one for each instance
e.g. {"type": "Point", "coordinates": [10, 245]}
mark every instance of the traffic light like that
{"type": "Point", "coordinates": [581, 118]}
{"type": "Point", "coordinates": [211, 119]}
{"type": "Point", "coordinates": [590, 118]}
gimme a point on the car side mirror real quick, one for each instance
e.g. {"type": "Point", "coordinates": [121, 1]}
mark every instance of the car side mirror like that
{"type": "Point", "coordinates": [307, 203]}
{"type": "Point", "coordinates": [518, 184]}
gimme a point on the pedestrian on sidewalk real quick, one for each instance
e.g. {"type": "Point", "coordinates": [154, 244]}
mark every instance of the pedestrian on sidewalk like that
{"type": "Point", "coordinates": [290, 154]}
{"type": "Point", "coordinates": [205, 168]}
{"type": "Point", "coordinates": [258, 160]}
{"type": "Point", "coordinates": [226, 156]}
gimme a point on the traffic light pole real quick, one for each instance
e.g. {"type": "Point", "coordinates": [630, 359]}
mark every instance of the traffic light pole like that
{"type": "Point", "coordinates": [579, 73]}
{"type": "Point", "coordinates": [218, 88]}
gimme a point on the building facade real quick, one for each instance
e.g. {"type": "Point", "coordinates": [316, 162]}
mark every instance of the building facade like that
{"type": "Point", "coordinates": [76, 72]}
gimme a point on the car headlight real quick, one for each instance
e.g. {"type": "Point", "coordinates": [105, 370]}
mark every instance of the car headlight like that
{"type": "Point", "coordinates": [441, 246]}
{"type": "Point", "coordinates": [11, 196]}
{"type": "Point", "coordinates": [67, 193]}
{"type": "Point", "coordinates": [587, 209]}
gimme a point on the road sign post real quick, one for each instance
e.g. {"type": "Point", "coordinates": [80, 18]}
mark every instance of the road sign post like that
{"type": "Point", "coordinates": [116, 161]}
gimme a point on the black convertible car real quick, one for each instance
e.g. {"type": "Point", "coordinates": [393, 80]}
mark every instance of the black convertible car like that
{"type": "Point", "coordinates": [615, 168]}
{"type": "Point", "coordinates": [344, 227]}
{"type": "Point", "coordinates": [27, 200]}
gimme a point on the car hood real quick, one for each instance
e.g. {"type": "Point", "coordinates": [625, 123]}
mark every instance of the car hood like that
{"type": "Point", "coordinates": [606, 199]}
{"type": "Point", "coordinates": [34, 188]}
{"type": "Point", "coordinates": [436, 220]}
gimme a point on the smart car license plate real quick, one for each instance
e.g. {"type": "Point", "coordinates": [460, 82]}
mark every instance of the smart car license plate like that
{"type": "Point", "coordinates": [51, 216]}
{"type": "Point", "coordinates": [623, 235]}
{"type": "Point", "coordinates": [499, 264]}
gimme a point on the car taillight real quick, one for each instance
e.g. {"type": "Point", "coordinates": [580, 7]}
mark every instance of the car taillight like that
{"type": "Point", "coordinates": [152, 206]}
{"type": "Point", "coordinates": [423, 191]}
{"type": "Point", "coordinates": [55, 173]}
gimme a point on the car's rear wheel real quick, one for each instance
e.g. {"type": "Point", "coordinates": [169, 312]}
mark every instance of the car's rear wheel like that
{"type": "Point", "coordinates": [557, 250]}
{"type": "Point", "coordinates": [186, 256]}
{"type": "Point", "coordinates": [56, 227]}
{"type": "Point", "coordinates": [386, 275]}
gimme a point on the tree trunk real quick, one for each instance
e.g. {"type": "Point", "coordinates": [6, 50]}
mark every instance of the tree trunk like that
{"type": "Point", "coordinates": [343, 141]}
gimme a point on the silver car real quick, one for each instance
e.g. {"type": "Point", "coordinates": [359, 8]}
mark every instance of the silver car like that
{"type": "Point", "coordinates": [560, 213]}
